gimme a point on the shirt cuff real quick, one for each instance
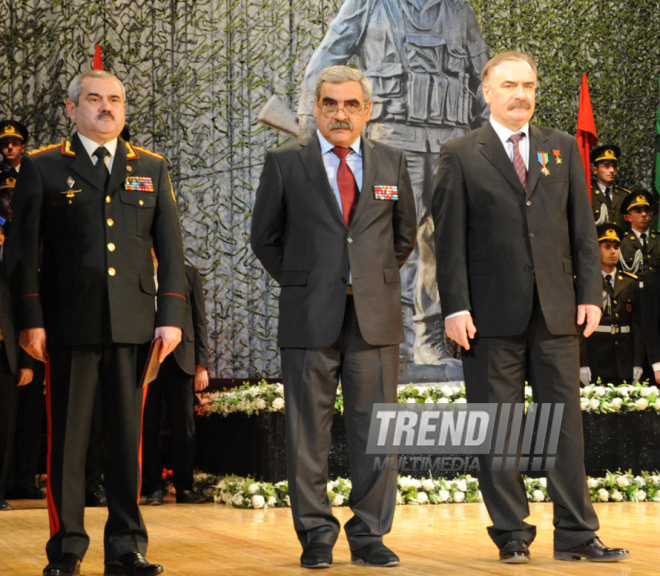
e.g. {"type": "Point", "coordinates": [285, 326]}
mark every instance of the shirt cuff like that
{"type": "Point", "coordinates": [462, 312]}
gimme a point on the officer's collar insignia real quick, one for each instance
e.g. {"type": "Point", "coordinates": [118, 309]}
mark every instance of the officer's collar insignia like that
{"type": "Point", "coordinates": [131, 153]}
{"type": "Point", "coordinates": [66, 149]}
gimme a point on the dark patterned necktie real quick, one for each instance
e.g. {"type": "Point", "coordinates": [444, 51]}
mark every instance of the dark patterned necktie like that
{"type": "Point", "coordinates": [102, 172]}
{"type": "Point", "coordinates": [518, 162]}
{"type": "Point", "coordinates": [645, 244]}
{"type": "Point", "coordinates": [348, 190]}
{"type": "Point", "coordinates": [608, 279]}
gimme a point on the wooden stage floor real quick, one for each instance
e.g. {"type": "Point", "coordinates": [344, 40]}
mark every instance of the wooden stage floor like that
{"type": "Point", "coordinates": [213, 540]}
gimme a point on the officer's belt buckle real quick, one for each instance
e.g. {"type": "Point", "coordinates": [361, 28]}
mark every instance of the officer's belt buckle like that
{"type": "Point", "coordinates": [614, 328]}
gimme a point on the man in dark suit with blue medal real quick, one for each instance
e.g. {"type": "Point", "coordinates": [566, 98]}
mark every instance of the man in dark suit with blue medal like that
{"type": "Point", "coordinates": [519, 275]}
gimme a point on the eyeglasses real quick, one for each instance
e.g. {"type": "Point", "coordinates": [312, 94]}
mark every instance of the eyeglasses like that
{"type": "Point", "coordinates": [351, 108]}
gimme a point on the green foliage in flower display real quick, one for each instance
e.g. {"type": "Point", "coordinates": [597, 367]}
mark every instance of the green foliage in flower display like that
{"type": "Point", "coordinates": [263, 397]}
{"type": "Point", "coordinates": [249, 493]}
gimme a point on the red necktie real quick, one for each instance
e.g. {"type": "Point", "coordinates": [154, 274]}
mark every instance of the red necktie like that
{"type": "Point", "coordinates": [348, 190]}
{"type": "Point", "coordinates": [518, 162]}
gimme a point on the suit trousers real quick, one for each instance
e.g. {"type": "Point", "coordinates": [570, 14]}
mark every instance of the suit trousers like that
{"type": "Point", "coordinates": [8, 408]}
{"type": "Point", "coordinates": [76, 372]}
{"type": "Point", "coordinates": [368, 375]}
{"type": "Point", "coordinates": [29, 427]}
{"type": "Point", "coordinates": [495, 371]}
{"type": "Point", "coordinates": [174, 389]}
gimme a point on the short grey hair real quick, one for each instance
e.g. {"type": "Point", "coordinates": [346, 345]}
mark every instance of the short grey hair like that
{"type": "Point", "coordinates": [511, 55]}
{"type": "Point", "coordinates": [75, 87]}
{"type": "Point", "coordinates": [340, 74]}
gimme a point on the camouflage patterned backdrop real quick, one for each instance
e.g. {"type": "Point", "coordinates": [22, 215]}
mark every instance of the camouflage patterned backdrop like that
{"type": "Point", "coordinates": [198, 72]}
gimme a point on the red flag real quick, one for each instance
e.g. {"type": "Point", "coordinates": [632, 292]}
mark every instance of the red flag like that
{"type": "Point", "coordinates": [587, 136]}
{"type": "Point", "coordinates": [98, 63]}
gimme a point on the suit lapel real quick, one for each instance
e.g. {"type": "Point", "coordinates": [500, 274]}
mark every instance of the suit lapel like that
{"type": "Point", "coordinates": [492, 148]}
{"type": "Point", "coordinates": [536, 144]}
{"type": "Point", "coordinates": [312, 161]}
{"type": "Point", "coordinates": [82, 163]}
{"type": "Point", "coordinates": [369, 171]}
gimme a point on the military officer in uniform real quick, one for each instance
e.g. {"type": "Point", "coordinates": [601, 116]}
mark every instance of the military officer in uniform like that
{"type": "Point", "coordinates": [615, 351]}
{"type": "Point", "coordinates": [606, 197]}
{"type": "Point", "coordinates": [95, 206]}
{"type": "Point", "coordinates": [640, 246]}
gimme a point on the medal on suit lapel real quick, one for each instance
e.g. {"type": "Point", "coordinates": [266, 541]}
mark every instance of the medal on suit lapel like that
{"type": "Point", "coordinates": [543, 161]}
{"type": "Point", "coordinates": [557, 155]}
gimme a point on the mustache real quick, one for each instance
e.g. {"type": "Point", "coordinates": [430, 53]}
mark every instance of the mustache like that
{"type": "Point", "coordinates": [105, 114]}
{"type": "Point", "coordinates": [340, 125]}
{"type": "Point", "coordinates": [519, 104]}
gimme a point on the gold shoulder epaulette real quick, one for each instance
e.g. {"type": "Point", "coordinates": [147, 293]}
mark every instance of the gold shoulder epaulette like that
{"type": "Point", "coordinates": [44, 149]}
{"type": "Point", "coordinates": [630, 274]}
{"type": "Point", "coordinates": [149, 152]}
{"type": "Point", "coordinates": [624, 189]}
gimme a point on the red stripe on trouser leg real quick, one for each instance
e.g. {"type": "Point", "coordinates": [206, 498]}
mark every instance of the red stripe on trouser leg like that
{"type": "Point", "coordinates": [145, 389]}
{"type": "Point", "coordinates": [52, 510]}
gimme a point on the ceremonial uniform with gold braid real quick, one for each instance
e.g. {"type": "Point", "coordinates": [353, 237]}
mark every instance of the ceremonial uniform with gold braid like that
{"type": "Point", "coordinates": [616, 346]}
{"type": "Point", "coordinates": [95, 299]}
{"type": "Point", "coordinates": [600, 204]}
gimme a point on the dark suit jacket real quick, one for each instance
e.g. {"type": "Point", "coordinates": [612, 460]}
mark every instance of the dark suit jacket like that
{"type": "Point", "coordinates": [7, 323]}
{"type": "Point", "coordinates": [96, 246]}
{"type": "Point", "coordinates": [494, 241]}
{"type": "Point", "coordinates": [193, 351]}
{"type": "Point", "coordinates": [651, 315]}
{"type": "Point", "coordinates": [299, 235]}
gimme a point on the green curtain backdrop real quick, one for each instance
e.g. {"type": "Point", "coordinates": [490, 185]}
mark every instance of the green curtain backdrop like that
{"type": "Point", "coordinates": [198, 73]}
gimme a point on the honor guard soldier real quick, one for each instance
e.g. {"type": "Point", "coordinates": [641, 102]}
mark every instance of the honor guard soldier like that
{"type": "Point", "coordinates": [606, 197]}
{"type": "Point", "coordinates": [615, 351]}
{"type": "Point", "coordinates": [640, 246]}
{"type": "Point", "coordinates": [13, 137]}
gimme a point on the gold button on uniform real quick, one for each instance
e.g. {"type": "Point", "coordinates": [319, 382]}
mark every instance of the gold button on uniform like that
{"type": "Point", "coordinates": [108, 199]}
{"type": "Point", "coordinates": [111, 247]}
{"type": "Point", "coordinates": [112, 271]}
{"type": "Point", "coordinates": [141, 202]}
{"type": "Point", "coordinates": [110, 222]}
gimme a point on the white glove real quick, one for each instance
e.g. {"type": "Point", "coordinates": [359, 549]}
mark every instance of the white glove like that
{"type": "Point", "coordinates": [637, 373]}
{"type": "Point", "coordinates": [585, 375]}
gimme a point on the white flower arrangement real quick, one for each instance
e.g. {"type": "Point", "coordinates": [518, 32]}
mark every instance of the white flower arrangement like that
{"type": "Point", "coordinates": [248, 493]}
{"type": "Point", "coordinates": [262, 398]}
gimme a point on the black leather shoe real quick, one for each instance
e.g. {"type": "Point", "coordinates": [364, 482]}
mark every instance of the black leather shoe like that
{"type": "Point", "coordinates": [4, 505]}
{"type": "Point", "coordinates": [133, 564]}
{"type": "Point", "coordinates": [317, 555]}
{"type": "Point", "coordinates": [155, 498]}
{"type": "Point", "coordinates": [375, 554]}
{"type": "Point", "coordinates": [65, 564]}
{"type": "Point", "coordinates": [594, 551]}
{"type": "Point", "coordinates": [97, 498]}
{"type": "Point", "coordinates": [190, 497]}
{"type": "Point", "coordinates": [515, 552]}
{"type": "Point", "coordinates": [29, 492]}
